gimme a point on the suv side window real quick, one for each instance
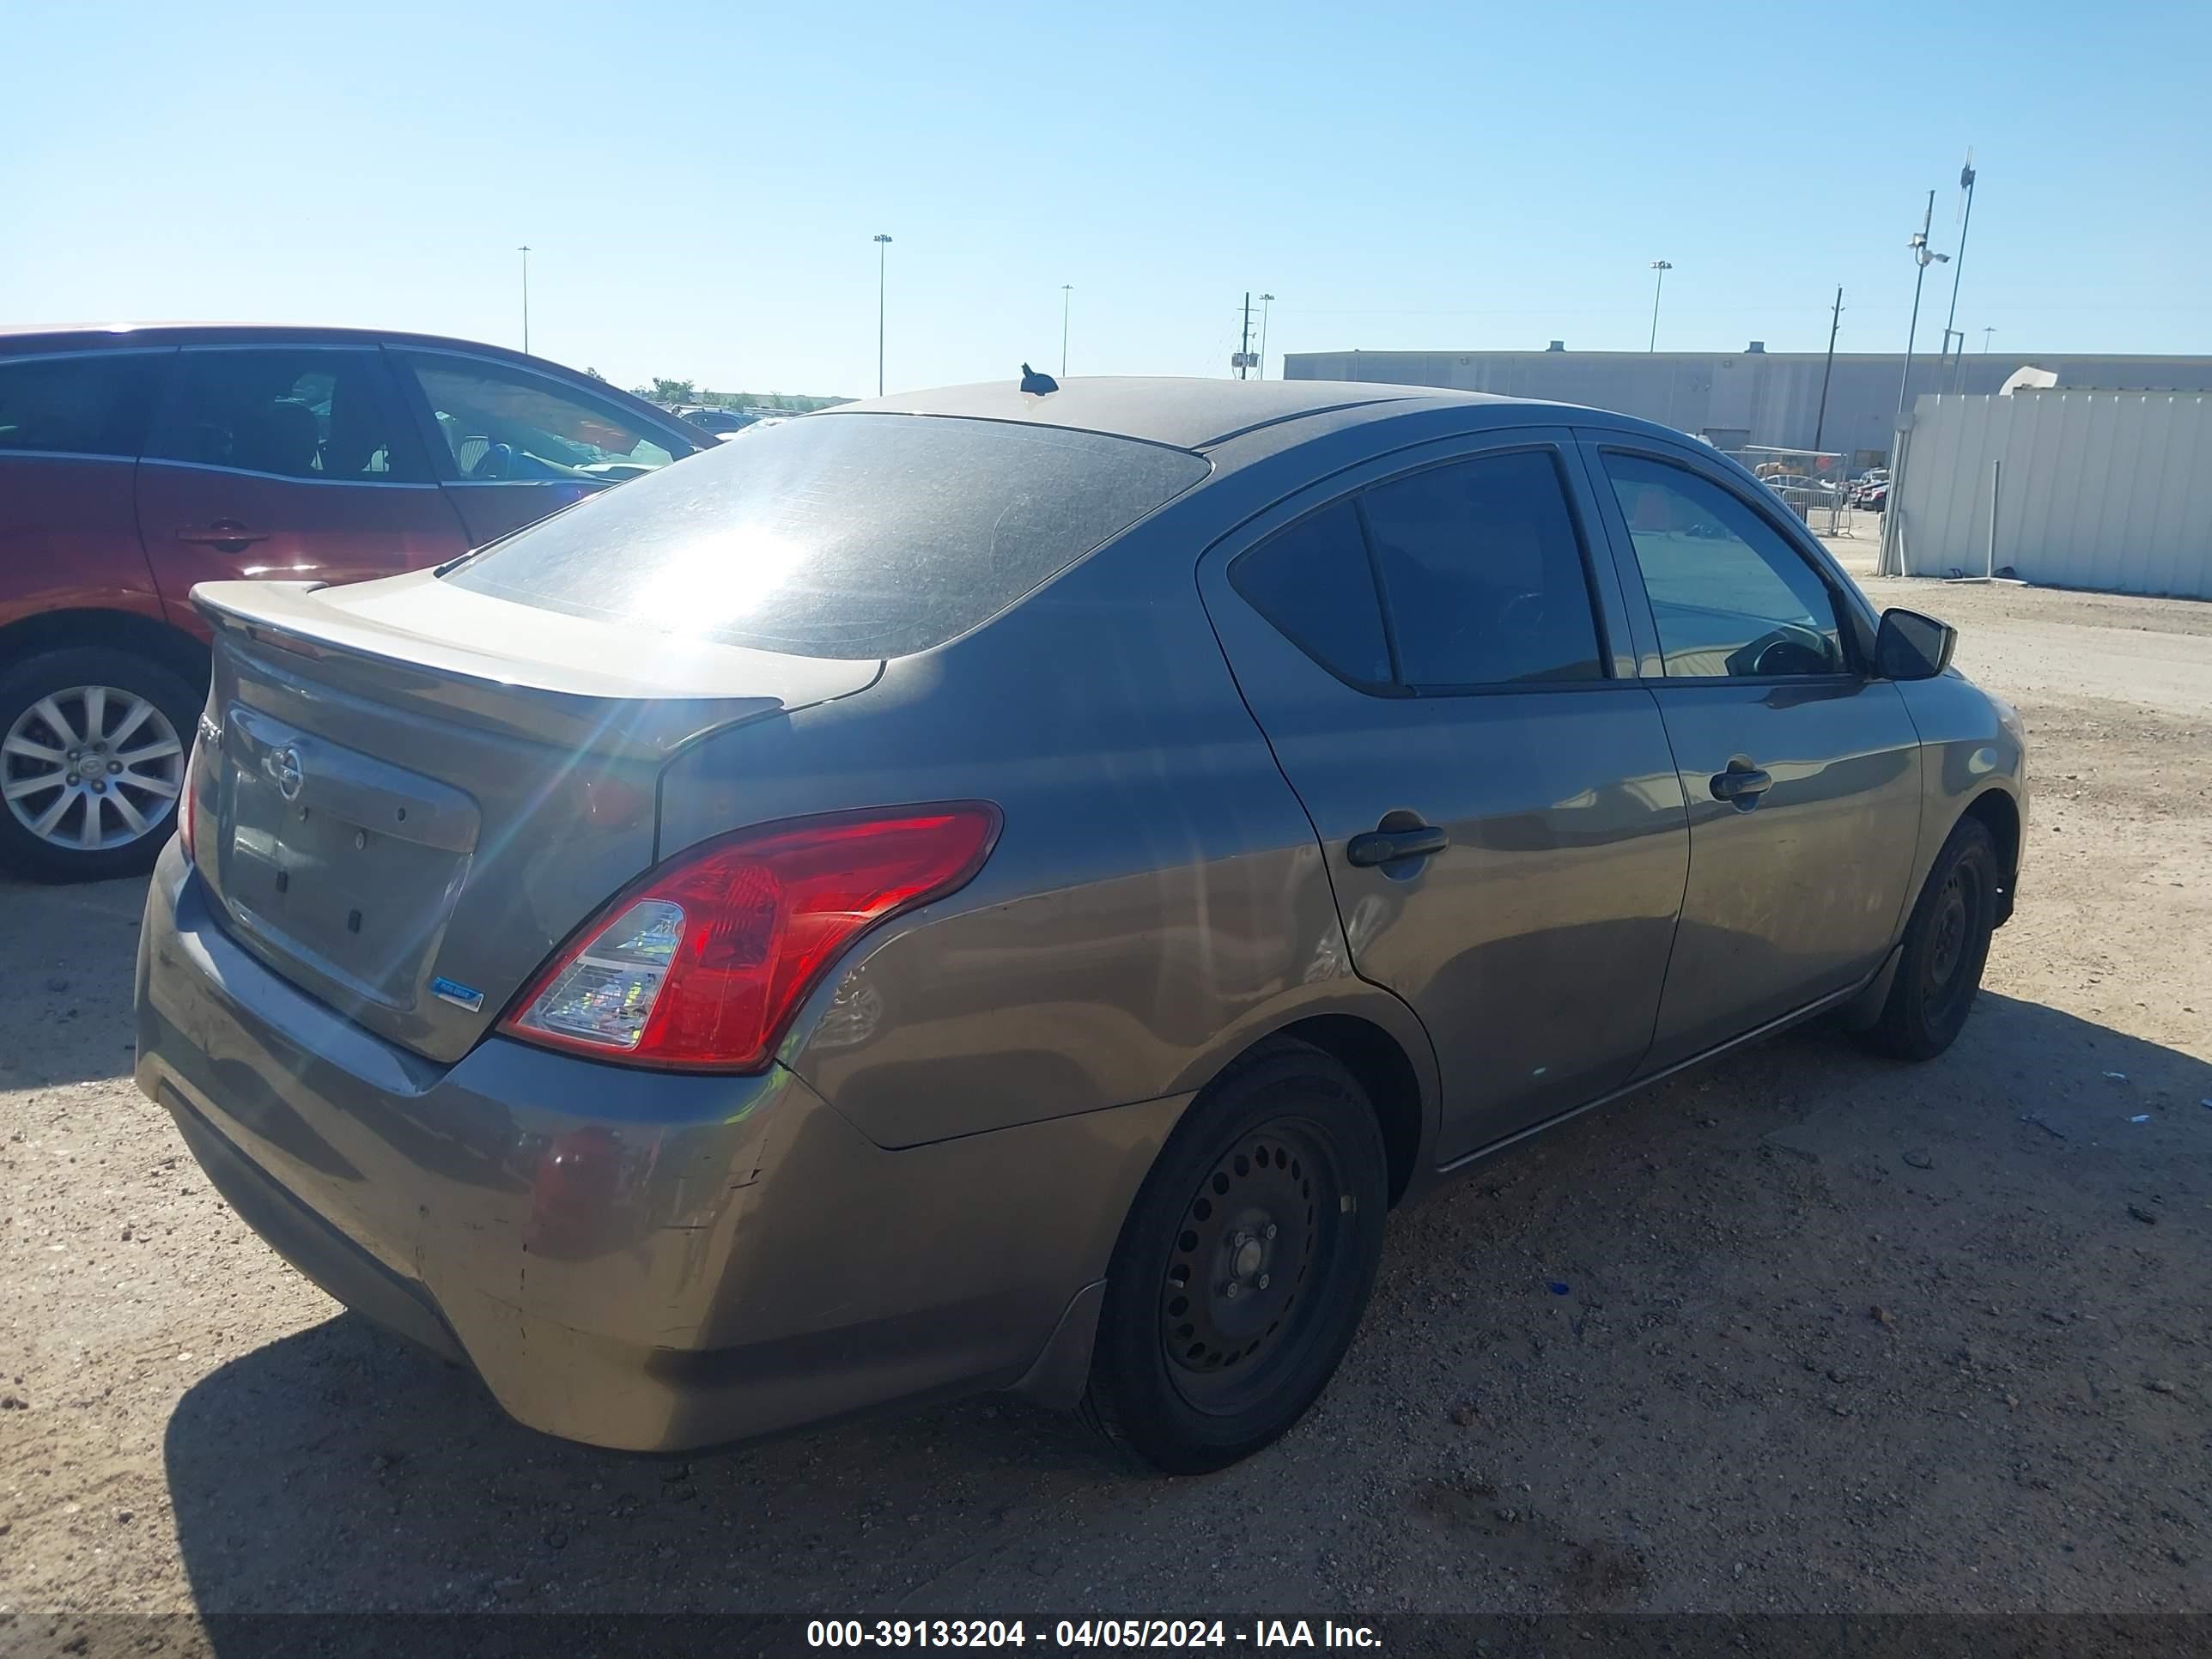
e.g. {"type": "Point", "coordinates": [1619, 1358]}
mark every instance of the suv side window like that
{"type": "Point", "coordinates": [1313, 581]}
{"type": "Point", "coordinates": [500, 422]}
{"type": "Point", "coordinates": [291, 411]}
{"type": "Point", "coordinates": [1730, 598]}
{"type": "Point", "coordinates": [1482, 569]}
{"type": "Point", "coordinates": [89, 403]}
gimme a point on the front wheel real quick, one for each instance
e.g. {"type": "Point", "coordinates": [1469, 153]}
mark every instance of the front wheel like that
{"type": "Point", "coordinates": [92, 746]}
{"type": "Point", "coordinates": [1947, 943]}
{"type": "Point", "coordinates": [1244, 1264]}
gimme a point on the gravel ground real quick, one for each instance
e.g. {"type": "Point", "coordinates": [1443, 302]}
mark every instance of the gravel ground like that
{"type": "Point", "coordinates": [1838, 1334]}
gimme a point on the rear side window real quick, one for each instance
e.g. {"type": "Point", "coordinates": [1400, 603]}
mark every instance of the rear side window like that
{"type": "Point", "coordinates": [297, 412]}
{"type": "Point", "coordinates": [92, 404]}
{"type": "Point", "coordinates": [1482, 570]}
{"type": "Point", "coordinates": [1313, 583]}
{"type": "Point", "coordinates": [842, 536]}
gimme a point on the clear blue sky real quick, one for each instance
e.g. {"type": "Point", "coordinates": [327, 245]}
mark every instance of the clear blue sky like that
{"type": "Point", "coordinates": [700, 181]}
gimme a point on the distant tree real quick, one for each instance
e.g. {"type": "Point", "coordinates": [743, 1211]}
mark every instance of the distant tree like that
{"type": "Point", "coordinates": [595, 373]}
{"type": "Point", "coordinates": [671, 391]}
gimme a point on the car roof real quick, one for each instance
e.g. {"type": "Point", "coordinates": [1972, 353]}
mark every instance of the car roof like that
{"type": "Point", "coordinates": [86, 337]}
{"type": "Point", "coordinates": [1208, 415]}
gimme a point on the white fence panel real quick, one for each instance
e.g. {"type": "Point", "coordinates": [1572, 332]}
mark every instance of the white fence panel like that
{"type": "Point", "coordinates": [2100, 489]}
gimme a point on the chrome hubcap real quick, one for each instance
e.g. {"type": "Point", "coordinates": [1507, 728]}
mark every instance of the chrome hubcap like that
{"type": "Point", "coordinates": [91, 768]}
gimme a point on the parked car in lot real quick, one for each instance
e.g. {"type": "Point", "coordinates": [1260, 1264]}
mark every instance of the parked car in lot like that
{"type": "Point", "coordinates": [989, 891]}
{"type": "Point", "coordinates": [718, 420]}
{"type": "Point", "coordinates": [1798, 490]}
{"type": "Point", "coordinates": [135, 462]}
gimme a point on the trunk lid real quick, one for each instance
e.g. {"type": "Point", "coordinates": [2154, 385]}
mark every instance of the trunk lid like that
{"type": "Point", "coordinates": [413, 792]}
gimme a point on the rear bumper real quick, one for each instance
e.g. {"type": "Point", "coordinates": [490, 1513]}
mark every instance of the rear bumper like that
{"type": "Point", "coordinates": [635, 1260]}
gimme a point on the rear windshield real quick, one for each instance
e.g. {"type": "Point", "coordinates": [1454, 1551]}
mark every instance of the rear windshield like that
{"type": "Point", "coordinates": [838, 535]}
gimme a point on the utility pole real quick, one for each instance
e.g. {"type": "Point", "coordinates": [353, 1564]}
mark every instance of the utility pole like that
{"type": "Point", "coordinates": [524, 251]}
{"type": "Point", "coordinates": [1959, 264]}
{"type": "Point", "coordinates": [882, 253]}
{"type": "Point", "coordinates": [1067, 297]}
{"type": "Point", "coordinates": [1922, 257]}
{"type": "Point", "coordinates": [1658, 286]}
{"type": "Point", "coordinates": [1266, 300]}
{"type": "Point", "coordinates": [1244, 341]}
{"type": "Point", "coordinates": [1820, 421]}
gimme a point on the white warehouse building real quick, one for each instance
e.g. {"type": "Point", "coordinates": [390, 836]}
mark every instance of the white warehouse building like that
{"type": "Point", "coordinates": [1749, 398]}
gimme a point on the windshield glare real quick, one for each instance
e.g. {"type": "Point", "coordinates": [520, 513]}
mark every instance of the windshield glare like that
{"type": "Point", "coordinates": [842, 536]}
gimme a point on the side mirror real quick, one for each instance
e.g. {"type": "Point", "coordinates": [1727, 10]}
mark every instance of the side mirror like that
{"type": "Point", "coordinates": [1911, 647]}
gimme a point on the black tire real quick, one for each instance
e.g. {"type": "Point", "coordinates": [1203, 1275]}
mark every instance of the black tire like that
{"type": "Point", "coordinates": [1275, 1182]}
{"type": "Point", "coordinates": [1945, 946]}
{"type": "Point", "coordinates": [60, 854]}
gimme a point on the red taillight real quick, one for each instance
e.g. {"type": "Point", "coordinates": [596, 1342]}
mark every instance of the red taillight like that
{"type": "Point", "coordinates": [184, 797]}
{"type": "Point", "coordinates": [702, 964]}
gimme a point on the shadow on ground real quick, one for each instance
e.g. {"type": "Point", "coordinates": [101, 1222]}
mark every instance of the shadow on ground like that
{"type": "Point", "coordinates": [1818, 1310]}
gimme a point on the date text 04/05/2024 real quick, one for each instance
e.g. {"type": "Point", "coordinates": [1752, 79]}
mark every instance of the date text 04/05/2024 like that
{"type": "Point", "coordinates": [1086, 1633]}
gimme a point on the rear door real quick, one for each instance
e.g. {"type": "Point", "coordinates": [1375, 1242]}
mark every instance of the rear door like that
{"type": "Point", "coordinates": [286, 461]}
{"type": "Point", "coordinates": [512, 444]}
{"type": "Point", "coordinates": [1444, 675]}
{"type": "Point", "coordinates": [1801, 769]}
{"type": "Point", "coordinates": [70, 426]}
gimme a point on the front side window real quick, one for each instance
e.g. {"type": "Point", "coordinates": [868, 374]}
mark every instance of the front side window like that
{"type": "Point", "coordinates": [840, 535]}
{"type": "Point", "coordinates": [297, 412]}
{"type": "Point", "coordinates": [1730, 598]}
{"type": "Point", "coordinates": [1313, 583]}
{"type": "Point", "coordinates": [504, 423]}
{"type": "Point", "coordinates": [1482, 570]}
{"type": "Point", "coordinates": [92, 405]}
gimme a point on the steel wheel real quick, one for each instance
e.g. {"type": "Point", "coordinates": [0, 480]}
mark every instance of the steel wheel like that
{"type": "Point", "coordinates": [1231, 1295]}
{"type": "Point", "coordinates": [91, 769]}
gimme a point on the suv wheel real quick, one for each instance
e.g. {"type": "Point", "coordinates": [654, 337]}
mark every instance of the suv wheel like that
{"type": "Point", "coordinates": [1243, 1266]}
{"type": "Point", "coordinates": [93, 747]}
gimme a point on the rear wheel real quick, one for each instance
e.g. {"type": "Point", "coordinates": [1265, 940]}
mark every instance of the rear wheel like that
{"type": "Point", "coordinates": [92, 746]}
{"type": "Point", "coordinates": [1946, 945]}
{"type": "Point", "coordinates": [1243, 1266]}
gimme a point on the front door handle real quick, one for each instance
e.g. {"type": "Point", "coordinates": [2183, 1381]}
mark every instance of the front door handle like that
{"type": "Point", "coordinates": [1742, 784]}
{"type": "Point", "coordinates": [224, 535]}
{"type": "Point", "coordinates": [1388, 846]}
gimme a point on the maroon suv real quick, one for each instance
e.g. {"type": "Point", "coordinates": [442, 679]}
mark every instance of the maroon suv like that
{"type": "Point", "coordinates": [135, 462]}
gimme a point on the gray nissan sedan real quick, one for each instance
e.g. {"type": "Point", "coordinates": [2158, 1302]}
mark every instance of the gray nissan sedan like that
{"type": "Point", "coordinates": [1002, 890]}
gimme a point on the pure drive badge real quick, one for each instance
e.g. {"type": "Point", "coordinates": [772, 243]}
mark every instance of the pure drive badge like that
{"type": "Point", "coordinates": [459, 994]}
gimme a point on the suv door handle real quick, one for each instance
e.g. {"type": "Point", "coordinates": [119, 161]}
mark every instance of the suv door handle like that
{"type": "Point", "coordinates": [224, 535]}
{"type": "Point", "coordinates": [1388, 846]}
{"type": "Point", "coordinates": [1741, 784]}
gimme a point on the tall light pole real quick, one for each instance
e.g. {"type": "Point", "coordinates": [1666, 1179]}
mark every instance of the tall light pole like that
{"type": "Point", "coordinates": [1820, 420]}
{"type": "Point", "coordinates": [1986, 333]}
{"type": "Point", "coordinates": [1658, 283]}
{"type": "Point", "coordinates": [1922, 257]}
{"type": "Point", "coordinates": [1265, 299]}
{"type": "Point", "coordinates": [1067, 297]}
{"type": "Point", "coordinates": [524, 251]}
{"type": "Point", "coordinates": [1959, 269]}
{"type": "Point", "coordinates": [883, 254]}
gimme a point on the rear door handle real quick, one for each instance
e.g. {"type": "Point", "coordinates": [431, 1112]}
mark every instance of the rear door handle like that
{"type": "Point", "coordinates": [224, 535]}
{"type": "Point", "coordinates": [1742, 784]}
{"type": "Point", "coordinates": [1388, 846]}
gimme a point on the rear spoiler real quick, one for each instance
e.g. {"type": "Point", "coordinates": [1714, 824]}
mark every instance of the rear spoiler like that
{"type": "Point", "coordinates": [511, 668]}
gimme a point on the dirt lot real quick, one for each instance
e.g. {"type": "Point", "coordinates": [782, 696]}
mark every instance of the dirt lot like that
{"type": "Point", "coordinates": [1838, 1335]}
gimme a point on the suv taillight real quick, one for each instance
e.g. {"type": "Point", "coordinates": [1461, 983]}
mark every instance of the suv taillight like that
{"type": "Point", "coordinates": [702, 963]}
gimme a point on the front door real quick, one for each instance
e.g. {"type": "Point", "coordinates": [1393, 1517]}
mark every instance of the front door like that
{"type": "Point", "coordinates": [1802, 772]}
{"type": "Point", "coordinates": [289, 463]}
{"type": "Point", "coordinates": [1433, 665]}
{"type": "Point", "coordinates": [514, 445]}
